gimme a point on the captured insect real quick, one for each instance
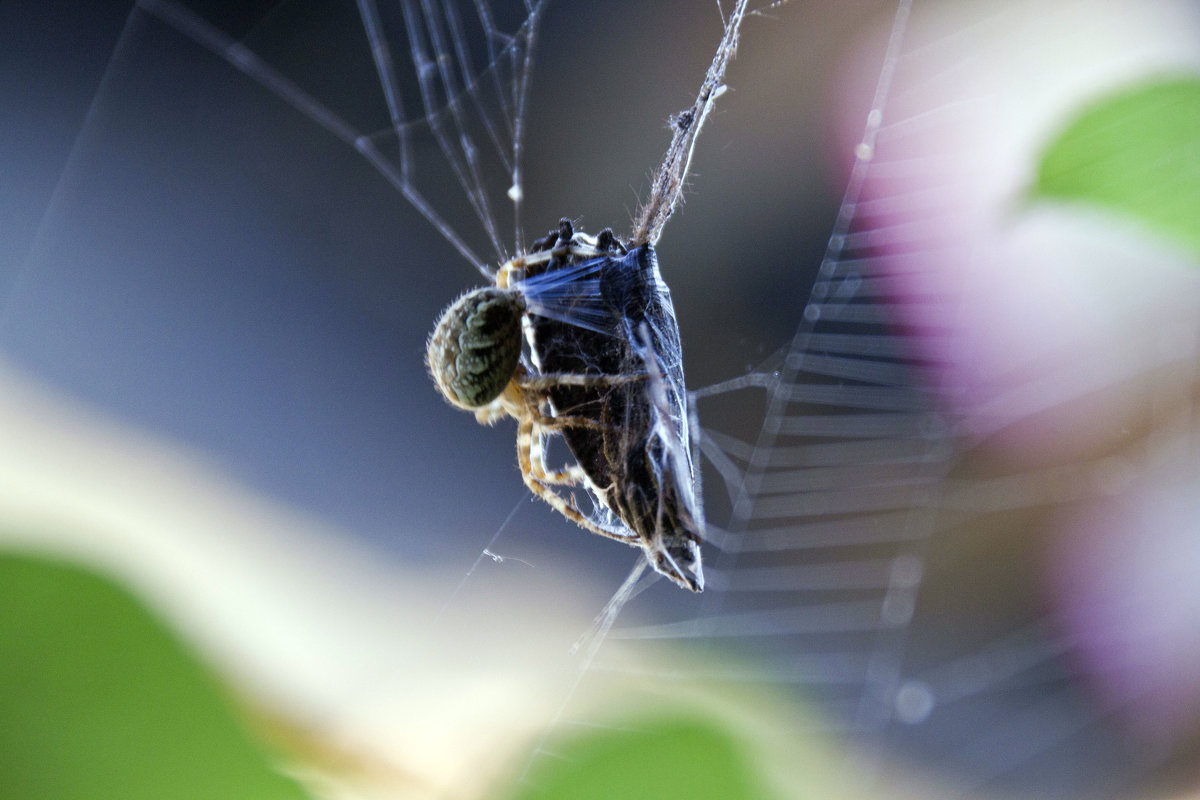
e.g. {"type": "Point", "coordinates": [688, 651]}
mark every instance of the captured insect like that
{"type": "Point", "coordinates": [578, 338]}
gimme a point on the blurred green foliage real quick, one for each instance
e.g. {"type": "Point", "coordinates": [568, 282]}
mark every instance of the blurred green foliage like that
{"type": "Point", "coordinates": [100, 701]}
{"type": "Point", "coordinates": [663, 757]}
{"type": "Point", "coordinates": [1136, 153]}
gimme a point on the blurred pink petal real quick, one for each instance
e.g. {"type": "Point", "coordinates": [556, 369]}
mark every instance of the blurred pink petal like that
{"type": "Point", "coordinates": [1125, 579]}
{"type": "Point", "coordinates": [1044, 322]}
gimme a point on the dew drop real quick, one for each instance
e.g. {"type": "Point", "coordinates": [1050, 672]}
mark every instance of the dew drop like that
{"type": "Point", "coordinates": [914, 702]}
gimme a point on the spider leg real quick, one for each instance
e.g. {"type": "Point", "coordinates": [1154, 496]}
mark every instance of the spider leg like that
{"type": "Point", "coordinates": [492, 413]}
{"type": "Point", "coordinates": [630, 538]}
{"type": "Point", "coordinates": [504, 278]}
{"type": "Point", "coordinates": [526, 432]}
{"type": "Point", "coordinates": [530, 385]}
{"type": "Point", "coordinates": [554, 379]}
{"type": "Point", "coordinates": [567, 421]}
{"type": "Point", "coordinates": [571, 475]}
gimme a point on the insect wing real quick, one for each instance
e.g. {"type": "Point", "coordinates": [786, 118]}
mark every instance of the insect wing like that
{"type": "Point", "coordinates": [635, 444]}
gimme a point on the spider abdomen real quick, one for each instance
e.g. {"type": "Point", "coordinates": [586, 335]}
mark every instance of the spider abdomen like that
{"type": "Point", "coordinates": [476, 346]}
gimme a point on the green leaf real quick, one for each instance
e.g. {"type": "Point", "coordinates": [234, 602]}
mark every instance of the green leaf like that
{"type": "Point", "coordinates": [98, 700]}
{"type": "Point", "coordinates": [688, 757]}
{"type": "Point", "coordinates": [1136, 153]}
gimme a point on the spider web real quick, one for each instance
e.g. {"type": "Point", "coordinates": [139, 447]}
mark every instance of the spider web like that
{"type": "Point", "coordinates": [845, 524]}
{"type": "Point", "coordinates": [853, 493]}
{"type": "Point", "coordinates": [471, 104]}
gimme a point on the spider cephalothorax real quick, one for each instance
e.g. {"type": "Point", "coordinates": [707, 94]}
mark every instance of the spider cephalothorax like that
{"type": "Point", "coordinates": [602, 369]}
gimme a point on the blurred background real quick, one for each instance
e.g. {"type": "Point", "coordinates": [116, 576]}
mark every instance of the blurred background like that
{"type": "Point", "coordinates": [954, 541]}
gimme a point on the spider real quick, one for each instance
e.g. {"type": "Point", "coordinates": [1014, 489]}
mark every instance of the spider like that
{"type": "Point", "coordinates": [600, 365]}
{"type": "Point", "coordinates": [601, 368]}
